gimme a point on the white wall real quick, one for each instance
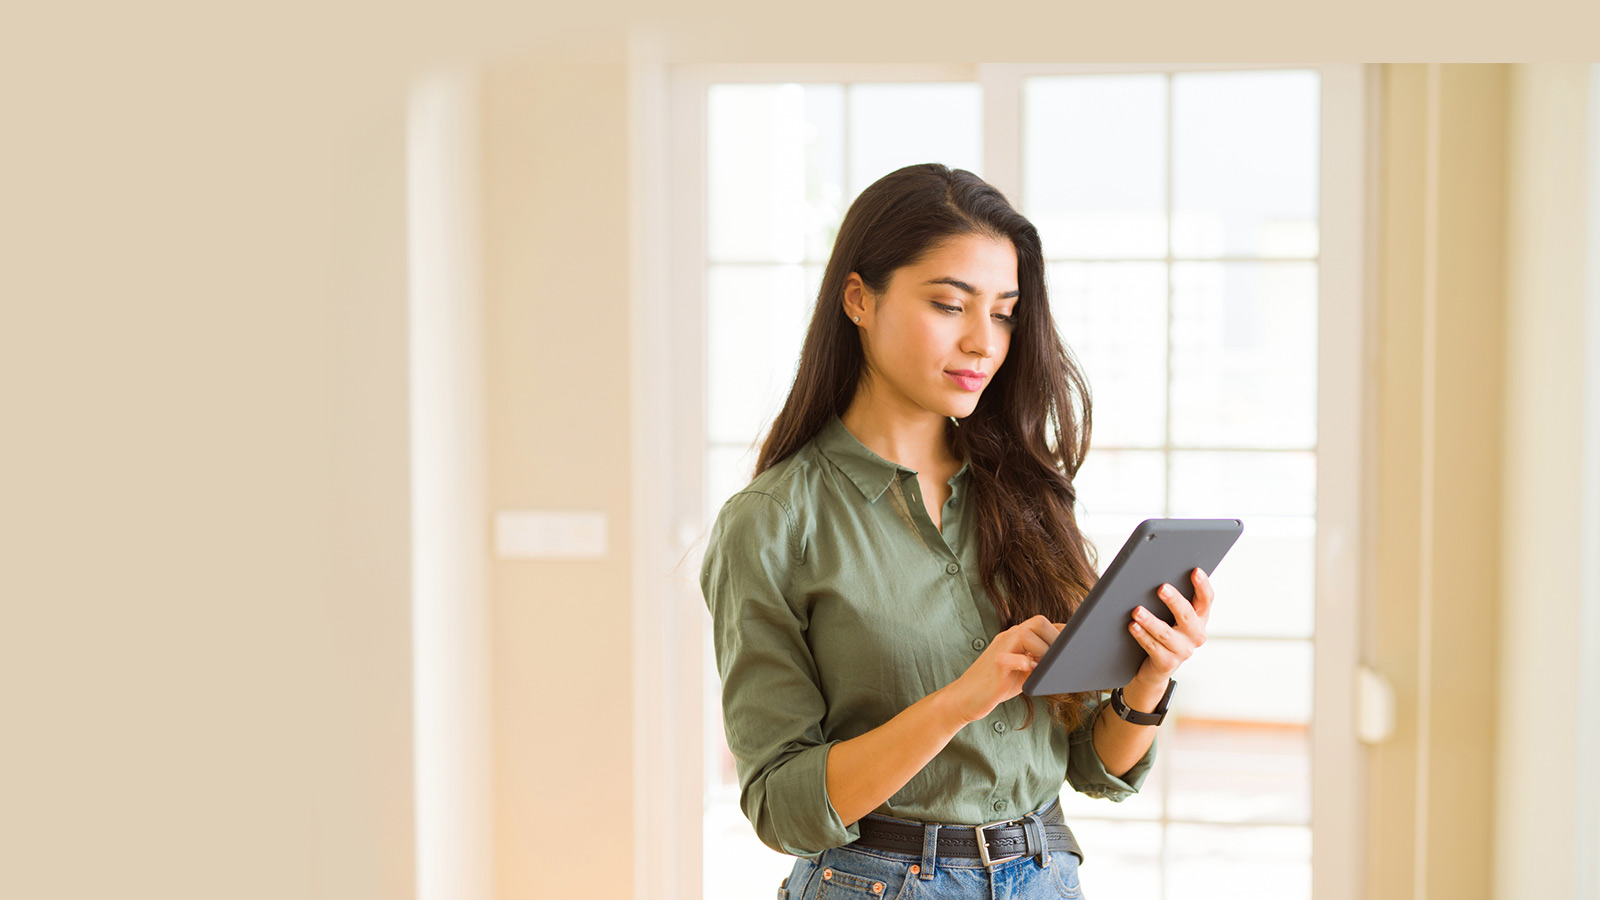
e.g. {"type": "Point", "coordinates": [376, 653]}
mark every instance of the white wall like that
{"type": "Point", "coordinates": [1546, 791]}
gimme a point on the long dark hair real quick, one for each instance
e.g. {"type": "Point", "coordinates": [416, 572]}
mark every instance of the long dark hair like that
{"type": "Point", "coordinates": [1024, 441]}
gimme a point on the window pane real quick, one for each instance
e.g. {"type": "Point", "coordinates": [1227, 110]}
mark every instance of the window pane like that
{"type": "Point", "coordinates": [728, 470]}
{"type": "Point", "coordinates": [755, 172]}
{"type": "Point", "coordinates": [1228, 485]}
{"type": "Point", "coordinates": [897, 125]}
{"type": "Point", "coordinates": [755, 324]}
{"type": "Point", "coordinates": [736, 863]}
{"type": "Point", "coordinates": [1113, 317]}
{"type": "Point", "coordinates": [825, 196]}
{"type": "Point", "coordinates": [1247, 681]}
{"type": "Point", "coordinates": [1245, 159]}
{"type": "Point", "coordinates": [1122, 860]}
{"type": "Point", "coordinates": [1266, 584]}
{"type": "Point", "coordinates": [1094, 170]}
{"type": "Point", "coordinates": [774, 171]}
{"type": "Point", "coordinates": [1127, 482]}
{"type": "Point", "coordinates": [1221, 862]}
{"type": "Point", "coordinates": [1240, 772]}
{"type": "Point", "coordinates": [1244, 354]}
{"type": "Point", "coordinates": [1108, 533]}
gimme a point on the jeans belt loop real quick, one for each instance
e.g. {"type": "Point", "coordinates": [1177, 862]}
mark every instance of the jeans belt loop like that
{"type": "Point", "coordinates": [930, 849]}
{"type": "Point", "coordinates": [1033, 825]}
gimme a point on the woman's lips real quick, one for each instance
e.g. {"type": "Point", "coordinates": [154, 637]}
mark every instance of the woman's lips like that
{"type": "Point", "coordinates": [967, 382]}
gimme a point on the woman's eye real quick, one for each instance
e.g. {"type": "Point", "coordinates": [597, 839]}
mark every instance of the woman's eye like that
{"type": "Point", "coordinates": [955, 309]}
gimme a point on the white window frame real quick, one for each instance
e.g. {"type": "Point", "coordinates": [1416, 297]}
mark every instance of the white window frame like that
{"type": "Point", "coordinates": [668, 168]}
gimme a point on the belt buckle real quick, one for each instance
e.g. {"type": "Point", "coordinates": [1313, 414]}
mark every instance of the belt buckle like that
{"type": "Point", "coordinates": [983, 844]}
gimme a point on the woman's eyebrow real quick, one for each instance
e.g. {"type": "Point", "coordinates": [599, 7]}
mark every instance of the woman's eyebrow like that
{"type": "Point", "coordinates": [967, 287]}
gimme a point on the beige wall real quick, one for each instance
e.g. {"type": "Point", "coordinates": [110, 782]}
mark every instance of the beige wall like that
{"type": "Point", "coordinates": [1439, 462]}
{"type": "Point", "coordinates": [556, 287]}
{"type": "Point", "coordinates": [204, 649]}
{"type": "Point", "coordinates": [205, 653]}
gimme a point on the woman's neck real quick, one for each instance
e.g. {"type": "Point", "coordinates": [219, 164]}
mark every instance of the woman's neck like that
{"type": "Point", "coordinates": [917, 440]}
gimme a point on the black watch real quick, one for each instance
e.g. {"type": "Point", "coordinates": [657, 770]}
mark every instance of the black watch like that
{"type": "Point", "coordinates": [1124, 711]}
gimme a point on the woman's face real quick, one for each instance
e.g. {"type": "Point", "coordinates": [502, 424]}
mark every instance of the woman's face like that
{"type": "Point", "coordinates": [951, 312]}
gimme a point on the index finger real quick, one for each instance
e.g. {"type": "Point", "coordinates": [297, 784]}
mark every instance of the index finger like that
{"type": "Point", "coordinates": [1204, 593]}
{"type": "Point", "coordinates": [1045, 628]}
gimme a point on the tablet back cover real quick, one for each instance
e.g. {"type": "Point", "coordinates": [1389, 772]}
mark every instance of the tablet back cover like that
{"type": "Point", "coordinates": [1095, 652]}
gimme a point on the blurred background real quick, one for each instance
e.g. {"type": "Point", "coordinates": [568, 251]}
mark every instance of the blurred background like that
{"type": "Point", "coordinates": [398, 390]}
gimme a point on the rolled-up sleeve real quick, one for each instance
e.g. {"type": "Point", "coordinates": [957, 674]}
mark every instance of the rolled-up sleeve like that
{"type": "Point", "coordinates": [772, 702]}
{"type": "Point", "coordinates": [1087, 773]}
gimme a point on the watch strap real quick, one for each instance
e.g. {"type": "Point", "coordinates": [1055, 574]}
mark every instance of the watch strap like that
{"type": "Point", "coordinates": [1128, 713]}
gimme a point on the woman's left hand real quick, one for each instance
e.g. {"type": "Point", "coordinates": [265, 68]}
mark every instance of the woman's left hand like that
{"type": "Point", "coordinates": [1169, 645]}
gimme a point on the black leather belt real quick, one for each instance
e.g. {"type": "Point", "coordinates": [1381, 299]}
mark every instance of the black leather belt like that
{"type": "Point", "coordinates": [993, 843]}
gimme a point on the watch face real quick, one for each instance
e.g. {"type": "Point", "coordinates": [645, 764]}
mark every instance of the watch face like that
{"type": "Point", "coordinates": [1162, 706]}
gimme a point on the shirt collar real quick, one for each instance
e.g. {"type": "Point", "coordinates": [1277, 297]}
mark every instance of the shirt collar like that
{"type": "Point", "coordinates": [871, 473]}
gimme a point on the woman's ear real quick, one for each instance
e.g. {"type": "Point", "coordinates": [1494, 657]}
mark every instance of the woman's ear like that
{"type": "Point", "coordinates": [855, 298]}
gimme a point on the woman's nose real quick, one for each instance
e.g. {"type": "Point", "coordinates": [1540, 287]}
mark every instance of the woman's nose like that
{"type": "Point", "coordinates": [982, 338]}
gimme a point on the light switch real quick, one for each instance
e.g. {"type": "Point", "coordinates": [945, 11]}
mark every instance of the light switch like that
{"type": "Point", "coordinates": [549, 534]}
{"type": "Point", "coordinates": [1374, 706]}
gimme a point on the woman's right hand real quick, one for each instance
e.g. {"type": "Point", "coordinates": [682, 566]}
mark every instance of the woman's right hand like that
{"type": "Point", "coordinates": [998, 673]}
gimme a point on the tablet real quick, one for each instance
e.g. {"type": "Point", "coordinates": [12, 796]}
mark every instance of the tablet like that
{"type": "Point", "coordinates": [1094, 651]}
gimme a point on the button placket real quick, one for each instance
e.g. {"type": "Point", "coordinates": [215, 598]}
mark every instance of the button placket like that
{"type": "Point", "coordinates": [909, 489]}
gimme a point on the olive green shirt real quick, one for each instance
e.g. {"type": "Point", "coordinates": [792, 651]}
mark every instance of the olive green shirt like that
{"type": "Point", "coordinates": [835, 604]}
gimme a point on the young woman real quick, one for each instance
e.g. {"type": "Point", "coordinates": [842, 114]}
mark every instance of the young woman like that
{"type": "Point", "coordinates": [905, 554]}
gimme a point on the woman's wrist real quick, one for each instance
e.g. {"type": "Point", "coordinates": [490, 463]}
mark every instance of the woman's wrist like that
{"type": "Point", "coordinates": [1143, 697]}
{"type": "Point", "coordinates": [946, 710]}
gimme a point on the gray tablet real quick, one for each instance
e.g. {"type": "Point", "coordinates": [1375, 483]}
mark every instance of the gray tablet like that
{"type": "Point", "coordinates": [1095, 652]}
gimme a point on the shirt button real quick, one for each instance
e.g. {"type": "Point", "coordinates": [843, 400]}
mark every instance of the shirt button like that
{"type": "Point", "coordinates": [952, 568]}
{"type": "Point", "coordinates": [1000, 728]}
{"type": "Point", "coordinates": [977, 643]}
{"type": "Point", "coordinates": [999, 806]}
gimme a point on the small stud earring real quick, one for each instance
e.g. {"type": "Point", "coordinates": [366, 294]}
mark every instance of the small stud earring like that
{"type": "Point", "coordinates": [855, 318]}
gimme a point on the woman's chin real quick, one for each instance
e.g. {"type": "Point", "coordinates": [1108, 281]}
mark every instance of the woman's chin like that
{"type": "Point", "coordinates": [958, 407]}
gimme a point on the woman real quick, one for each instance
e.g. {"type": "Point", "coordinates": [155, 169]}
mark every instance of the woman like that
{"type": "Point", "coordinates": [906, 553]}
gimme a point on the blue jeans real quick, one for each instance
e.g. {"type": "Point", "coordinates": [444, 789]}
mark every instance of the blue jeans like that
{"type": "Point", "coordinates": [845, 873]}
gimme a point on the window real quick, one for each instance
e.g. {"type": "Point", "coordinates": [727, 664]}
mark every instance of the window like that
{"type": "Point", "coordinates": [783, 162]}
{"type": "Point", "coordinates": [1208, 278]}
{"type": "Point", "coordinates": [1178, 213]}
